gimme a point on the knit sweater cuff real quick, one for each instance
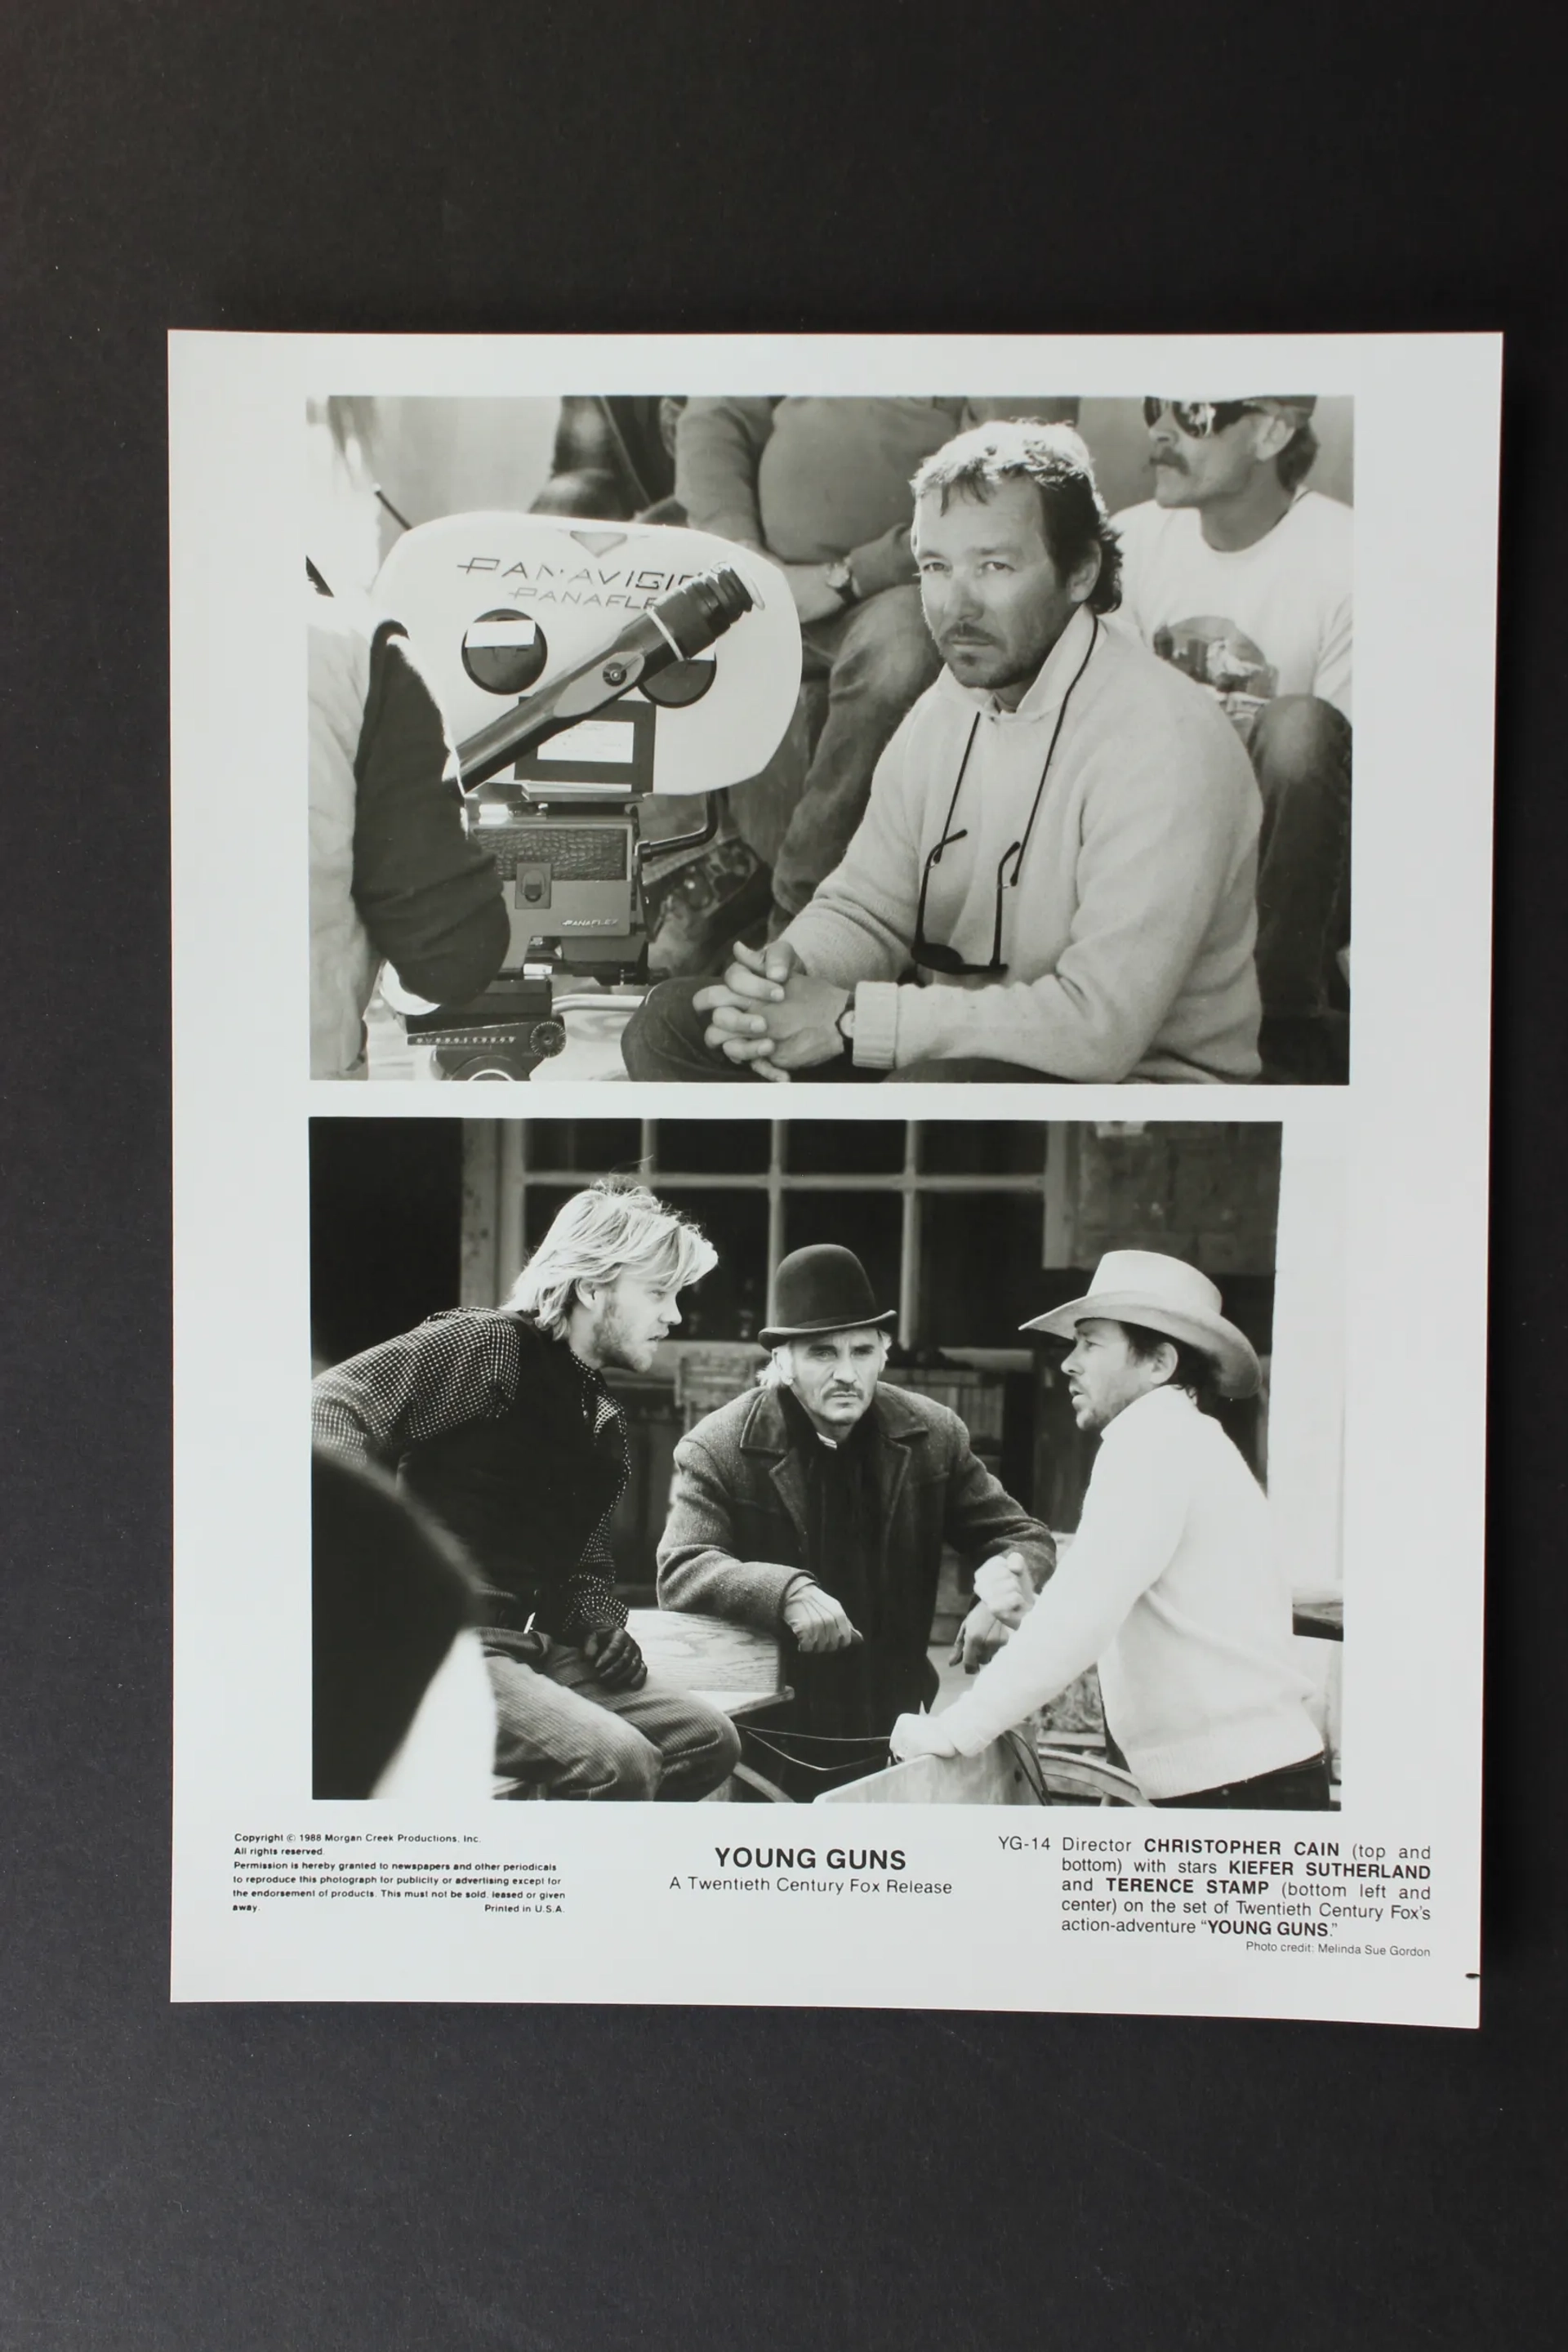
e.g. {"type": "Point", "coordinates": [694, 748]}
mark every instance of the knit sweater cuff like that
{"type": "Point", "coordinates": [876, 1025]}
{"type": "Point", "coordinates": [937, 1020]}
{"type": "Point", "coordinates": [969, 1726]}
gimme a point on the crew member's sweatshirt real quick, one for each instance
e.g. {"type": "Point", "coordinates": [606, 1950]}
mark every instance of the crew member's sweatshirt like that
{"type": "Point", "coordinates": [1128, 938]}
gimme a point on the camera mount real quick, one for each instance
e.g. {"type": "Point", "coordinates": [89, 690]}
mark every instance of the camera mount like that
{"type": "Point", "coordinates": [637, 661]}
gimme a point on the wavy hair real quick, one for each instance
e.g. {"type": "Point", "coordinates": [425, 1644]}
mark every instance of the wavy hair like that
{"type": "Point", "coordinates": [1297, 458]}
{"type": "Point", "coordinates": [975, 465]}
{"type": "Point", "coordinates": [1195, 1369]}
{"type": "Point", "coordinates": [617, 1226]}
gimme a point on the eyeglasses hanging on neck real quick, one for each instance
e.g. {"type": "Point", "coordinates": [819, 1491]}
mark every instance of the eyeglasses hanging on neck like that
{"type": "Point", "coordinates": [930, 955]}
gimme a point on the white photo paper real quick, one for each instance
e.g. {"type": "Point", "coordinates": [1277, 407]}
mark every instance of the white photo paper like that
{"type": "Point", "coordinates": [986, 1513]}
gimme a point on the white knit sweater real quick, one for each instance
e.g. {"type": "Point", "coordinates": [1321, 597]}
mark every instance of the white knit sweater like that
{"type": "Point", "coordinates": [1129, 937]}
{"type": "Point", "coordinates": [1170, 1586]}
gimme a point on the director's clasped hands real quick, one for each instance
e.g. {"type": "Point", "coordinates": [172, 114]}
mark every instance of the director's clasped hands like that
{"type": "Point", "coordinates": [768, 1012]}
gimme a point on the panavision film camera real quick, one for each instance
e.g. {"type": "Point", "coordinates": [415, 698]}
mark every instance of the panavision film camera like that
{"type": "Point", "coordinates": [582, 668]}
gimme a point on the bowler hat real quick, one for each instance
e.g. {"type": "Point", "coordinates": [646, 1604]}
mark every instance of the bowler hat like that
{"type": "Point", "coordinates": [1165, 1295]}
{"type": "Point", "coordinates": [823, 1289]}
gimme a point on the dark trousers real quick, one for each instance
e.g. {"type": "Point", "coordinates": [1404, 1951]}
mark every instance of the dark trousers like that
{"type": "Point", "coordinates": [663, 1040]}
{"type": "Point", "coordinates": [1293, 1789]}
{"type": "Point", "coordinates": [1301, 752]}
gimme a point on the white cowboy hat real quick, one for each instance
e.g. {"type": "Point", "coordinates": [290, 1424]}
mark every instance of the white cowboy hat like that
{"type": "Point", "coordinates": [1163, 1294]}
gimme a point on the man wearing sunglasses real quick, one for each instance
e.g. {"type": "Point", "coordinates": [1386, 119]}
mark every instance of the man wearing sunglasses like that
{"type": "Point", "coordinates": [1240, 575]}
{"type": "Point", "coordinates": [1055, 875]}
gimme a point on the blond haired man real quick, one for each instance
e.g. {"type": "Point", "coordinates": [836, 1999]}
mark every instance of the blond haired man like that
{"type": "Point", "coordinates": [500, 1422]}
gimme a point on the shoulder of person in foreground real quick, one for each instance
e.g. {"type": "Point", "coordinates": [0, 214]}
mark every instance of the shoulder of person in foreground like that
{"type": "Point", "coordinates": [430, 896]}
{"type": "Point", "coordinates": [391, 1593]}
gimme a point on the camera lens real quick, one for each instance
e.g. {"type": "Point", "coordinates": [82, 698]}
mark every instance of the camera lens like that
{"type": "Point", "coordinates": [726, 591]}
{"type": "Point", "coordinates": [704, 608]}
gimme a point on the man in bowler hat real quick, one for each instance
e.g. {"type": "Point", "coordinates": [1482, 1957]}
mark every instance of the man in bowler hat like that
{"type": "Point", "coordinates": [817, 1505]}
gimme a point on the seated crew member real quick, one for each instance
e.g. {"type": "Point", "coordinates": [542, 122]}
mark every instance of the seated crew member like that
{"type": "Point", "coordinates": [394, 875]}
{"type": "Point", "coordinates": [823, 487]}
{"type": "Point", "coordinates": [1061, 837]}
{"type": "Point", "coordinates": [614, 459]}
{"type": "Point", "coordinates": [819, 1505]}
{"type": "Point", "coordinates": [1241, 575]}
{"type": "Point", "coordinates": [1170, 1586]}
{"type": "Point", "coordinates": [499, 1422]}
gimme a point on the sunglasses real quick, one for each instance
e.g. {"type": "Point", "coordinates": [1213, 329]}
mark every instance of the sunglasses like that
{"type": "Point", "coordinates": [931, 955]}
{"type": "Point", "coordinates": [1198, 419]}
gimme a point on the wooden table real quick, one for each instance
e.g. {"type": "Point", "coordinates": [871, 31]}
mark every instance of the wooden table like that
{"type": "Point", "coordinates": [735, 1668]}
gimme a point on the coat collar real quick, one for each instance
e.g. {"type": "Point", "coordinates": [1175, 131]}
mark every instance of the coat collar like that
{"type": "Point", "coordinates": [897, 1426]}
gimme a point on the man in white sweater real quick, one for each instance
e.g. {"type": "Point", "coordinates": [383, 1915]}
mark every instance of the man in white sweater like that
{"type": "Point", "coordinates": [1061, 838]}
{"type": "Point", "coordinates": [1170, 1586]}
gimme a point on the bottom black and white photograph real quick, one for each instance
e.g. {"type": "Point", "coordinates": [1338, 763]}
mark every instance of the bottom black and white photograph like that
{"type": "Point", "coordinates": [797, 1462]}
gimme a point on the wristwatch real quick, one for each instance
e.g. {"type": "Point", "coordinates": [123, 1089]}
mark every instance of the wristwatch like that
{"type": "Point", "coordinates": [841, 581]}
{"type": "Point", "coordinates": [845, 1024]}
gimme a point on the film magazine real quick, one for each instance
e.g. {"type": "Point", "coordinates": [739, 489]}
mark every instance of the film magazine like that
{"type": "Point", "coordinates": [987, 1511]}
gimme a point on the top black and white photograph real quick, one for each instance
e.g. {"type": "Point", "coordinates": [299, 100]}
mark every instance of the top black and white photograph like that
{"type": "Point", "coordinates": [758, 739]}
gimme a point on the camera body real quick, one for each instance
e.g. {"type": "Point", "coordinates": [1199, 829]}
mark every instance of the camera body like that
{"type": "Point", "coordinates": [582, 671]}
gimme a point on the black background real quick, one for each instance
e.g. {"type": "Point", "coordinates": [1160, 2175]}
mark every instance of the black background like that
{"type": "Point", "coordinates": [441, 2176]}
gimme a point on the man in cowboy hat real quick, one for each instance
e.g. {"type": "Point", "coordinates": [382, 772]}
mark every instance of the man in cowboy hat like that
{"type": "Point", "coordinates": [1240, 574]}
{"type": "Point", "coordinates": [819, 1505]}
{"type": "Point", "coordinates": [1169, 1587]}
